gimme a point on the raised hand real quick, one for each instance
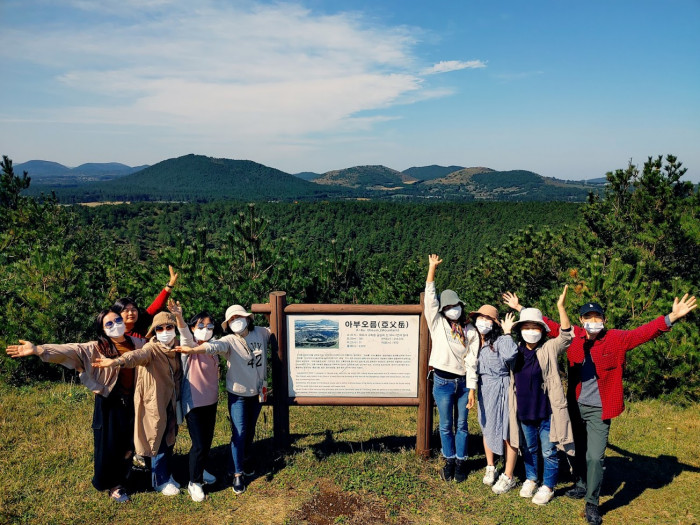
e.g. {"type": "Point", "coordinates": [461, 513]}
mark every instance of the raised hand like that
{"type": "Point", "coordinates": [508, 323]}
{"type": "Point", "coordinates": [22, 350]}
{"type": "Point", "coordinates": [512, 301]}
{"type": "Point", "coordinates": [174, 307]}
{"type": "Point", "coordinates": [173, 276]}
{"type": "Point", "coordinates": [434, 260]}
{"type": "Point", "coordinates": [561, 303]}
{"type": "Point", "coordinates": [681, 308]}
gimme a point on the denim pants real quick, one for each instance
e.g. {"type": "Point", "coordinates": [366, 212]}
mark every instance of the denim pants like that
{"type": "Point", "coordinates": [536, 432]}
{"type": "Point", "coordinates": [244, 412]}
{"type": "Point", "coordinates": [448, 393]}
{"type": "Point", "coordinates": [160, 464]}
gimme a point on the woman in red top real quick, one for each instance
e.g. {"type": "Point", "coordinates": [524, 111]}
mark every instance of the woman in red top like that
{"type": "Point", "coordinates": [136, 321]}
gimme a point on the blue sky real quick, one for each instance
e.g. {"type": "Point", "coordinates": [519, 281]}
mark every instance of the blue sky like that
{"type": "Point", "coordinates": [565, 89]}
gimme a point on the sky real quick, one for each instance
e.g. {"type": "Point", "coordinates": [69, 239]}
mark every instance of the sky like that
{"type": "Point", "coordinates": [565, 89]}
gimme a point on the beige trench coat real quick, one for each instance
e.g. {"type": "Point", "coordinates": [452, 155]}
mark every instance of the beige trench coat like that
{"type": "Point", "coordinates": [156, 392]}
{"type": "Point", "coordinates": [560, 431]}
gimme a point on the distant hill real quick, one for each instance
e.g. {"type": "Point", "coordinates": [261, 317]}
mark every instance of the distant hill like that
{"type": "Point", "coordinates": [487, 184]}
{"type": "Point", "coordinates": [307, 175]}
{"type": "Point", "coordinates": [199, 178]}
{"type": "Point", "coordinates": [431, 172]}
{"type": "Point", "coordinates": [366, 177]}
{"type": "Point", "coordinates": [55, 174]}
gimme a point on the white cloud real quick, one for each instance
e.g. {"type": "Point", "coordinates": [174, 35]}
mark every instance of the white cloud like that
{"type": "Point", "coordinates": [228, 72]}
{"type": "Point", "coordinates": [446, 66]}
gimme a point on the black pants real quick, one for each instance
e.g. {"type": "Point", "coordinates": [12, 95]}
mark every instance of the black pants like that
{"type": "Point", "coordinates": [113, 431]}
{"type": "Point", "coordinates": [200, 423]}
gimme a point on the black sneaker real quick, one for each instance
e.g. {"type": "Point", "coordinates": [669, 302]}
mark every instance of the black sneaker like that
{"type": "Point", "coordinates": [447, 472]}
{"type": "Point", "coordinates": [593, 517]}
{"type": "Point", "coordinates": [238, 485]}
{"type": "Point", "coordinates": [576, 492]}
{"type": "Point", "coordinates": [460, 470]}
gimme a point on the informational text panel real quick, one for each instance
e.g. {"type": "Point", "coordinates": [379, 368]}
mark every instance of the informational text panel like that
{"type": "Point", "coordinates": [353, 355]}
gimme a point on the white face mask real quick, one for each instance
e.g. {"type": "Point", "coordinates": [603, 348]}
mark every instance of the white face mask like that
{"type": "Point", "coordinates": [531, 336]}
{"type": "Point", "coordinates": [593, 328]}
{"type": "Point", "coordinates": [239, 325]}
{"type": "Point", "coordinates": [117, 330]}
{"type": "Point", "coordinates": [453, 313]}
{"type": "Point", "coordinates": [483, 325]}
{"type": "Point", "coordinates": [203, 334]}
{"type": "Point", "coordinates": [166, 336]}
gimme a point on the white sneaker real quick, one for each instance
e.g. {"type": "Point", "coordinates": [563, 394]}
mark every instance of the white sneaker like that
{"type": "Point", "coordinates": [544, 494]}
{"type": "Point", "coordinates": [196, 492]}
{"type": "Point", "coordinates": [528, 489]}
{"type": "Point", "coordinates": [490, 475]}
{"type": "Point", "coordinates": [168, 489]}
{"type": "Point", "coordinates": [504, 484]}
{"type": "Point", "coordinates": [209, 479]}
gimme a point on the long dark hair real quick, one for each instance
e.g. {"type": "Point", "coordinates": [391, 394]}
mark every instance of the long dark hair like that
{"type": "Point", "coordinates": [495, 333]}
{"type": "Point", "coordinates": [104, 343]}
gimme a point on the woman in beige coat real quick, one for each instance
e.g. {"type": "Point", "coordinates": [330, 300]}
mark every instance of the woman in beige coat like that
{"type": "Point", "coordinates": [113, 414]}
{"type": "Point", "coordinates": [156, 395]}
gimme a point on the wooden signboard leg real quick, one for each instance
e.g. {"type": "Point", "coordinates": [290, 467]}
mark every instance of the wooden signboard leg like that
{"type": "Point", "coordinates": [425, 398]}
{"type": "Point", "coordinates": [280, 393]}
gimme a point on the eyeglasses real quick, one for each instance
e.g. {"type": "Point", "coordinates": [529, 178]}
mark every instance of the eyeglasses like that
{"type": "Point", "coordinates": [164, 327]}
{"type": "Point", "coordinates": [117, 321]}
{"type": "Point", "coordinates": [209, 326]}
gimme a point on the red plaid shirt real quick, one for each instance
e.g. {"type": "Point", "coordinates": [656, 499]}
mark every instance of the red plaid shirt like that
{"type": "Point", "coordinates": [608, 352]}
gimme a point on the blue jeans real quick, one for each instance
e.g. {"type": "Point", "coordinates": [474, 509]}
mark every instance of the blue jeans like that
{"type": "Point", "coordinates": [244, 412]}
{"type": "Point", "coordinates": [536, 432]}
{"type": "Point", "coordinates": [448, 393]}
{"type": "Point", "coordinates": [160, 464]}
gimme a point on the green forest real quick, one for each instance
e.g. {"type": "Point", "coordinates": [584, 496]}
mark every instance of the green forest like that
{"type": "Point", "coordinates": [632, 247]}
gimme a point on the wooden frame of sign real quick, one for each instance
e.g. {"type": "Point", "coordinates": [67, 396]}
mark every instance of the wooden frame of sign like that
{"type": "Point", "coordinates": [277, 311]}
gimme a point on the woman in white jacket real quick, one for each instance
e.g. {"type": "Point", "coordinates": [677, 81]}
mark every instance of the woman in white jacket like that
{"type": "Point", "coordinates": [245, 349]}
{"type": "Point", "coordinates": [453, 359]}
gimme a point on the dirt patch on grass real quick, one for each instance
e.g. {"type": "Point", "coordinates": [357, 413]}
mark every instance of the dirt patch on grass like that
{"type": "Point", "coordinates": [331, 506]}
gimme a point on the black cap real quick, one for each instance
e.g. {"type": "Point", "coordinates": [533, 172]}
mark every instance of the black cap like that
{"type": "Point", "coordinates": [591, 307]}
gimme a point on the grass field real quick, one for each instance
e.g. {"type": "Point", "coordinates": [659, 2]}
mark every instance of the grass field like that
{"type": "Point", "coordinates": [346, 466]}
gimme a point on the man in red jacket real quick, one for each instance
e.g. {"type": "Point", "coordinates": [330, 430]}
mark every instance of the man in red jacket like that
{"type": "Point", "coordinates": [596, 364]}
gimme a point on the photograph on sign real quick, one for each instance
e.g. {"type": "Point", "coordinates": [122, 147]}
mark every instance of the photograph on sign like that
{"type": "Point", "coordinates": [353, 355]}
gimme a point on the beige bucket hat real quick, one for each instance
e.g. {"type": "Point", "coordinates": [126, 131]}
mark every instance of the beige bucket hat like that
{"type": "Point", "coordinates": [531, 315]}
{"type": "Point", "coordinates": [159, 319]}
{"type": "Point", "coordinates": [234, 309]}
{"type": "Point", "coordinates": [488, 311]}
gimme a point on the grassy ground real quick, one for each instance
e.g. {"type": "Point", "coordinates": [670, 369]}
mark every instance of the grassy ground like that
{"type": "Point", "coordinates": [346, 465]}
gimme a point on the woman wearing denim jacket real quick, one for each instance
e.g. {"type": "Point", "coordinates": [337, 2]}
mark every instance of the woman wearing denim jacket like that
{"type": "Point", "coordinates": [453, 358]}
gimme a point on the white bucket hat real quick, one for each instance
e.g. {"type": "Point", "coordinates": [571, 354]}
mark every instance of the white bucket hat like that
{"type": "Point", "coordinates": [531, 315]}
{"type": "Point", "coordinates": [234, 309]}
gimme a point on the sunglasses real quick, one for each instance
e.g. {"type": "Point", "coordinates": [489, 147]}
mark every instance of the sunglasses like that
{"type": "Point", "coordinates": [164, 327]}
{"type": "Point", "coordinates": [117, 321]}
{"type": "Point", "coordinates": [209, 326]}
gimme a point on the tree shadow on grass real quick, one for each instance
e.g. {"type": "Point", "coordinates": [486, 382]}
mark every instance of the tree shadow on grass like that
{"type": "Point", "coordinates": [628, 476]}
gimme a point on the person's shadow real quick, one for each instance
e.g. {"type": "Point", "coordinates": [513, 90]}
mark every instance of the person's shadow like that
{"type": "Point", "coordinates": [636, 473]}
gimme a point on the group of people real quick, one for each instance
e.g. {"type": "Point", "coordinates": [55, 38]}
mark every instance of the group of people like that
{"type": "Point", "coordinates": [146, 381]}
{"type": "Point", "coordinates": [522, 404]}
